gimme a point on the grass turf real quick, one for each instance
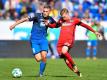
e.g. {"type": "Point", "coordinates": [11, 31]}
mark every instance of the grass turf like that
{"type": "Point", "coordinates": [55, 70]}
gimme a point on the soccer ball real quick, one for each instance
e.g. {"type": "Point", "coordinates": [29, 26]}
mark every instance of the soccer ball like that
{"type": "Point", "coordinates": [16, 73]}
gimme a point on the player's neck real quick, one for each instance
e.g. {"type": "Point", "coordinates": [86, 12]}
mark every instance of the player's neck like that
{"type": "Point", "coordinates": [68, 19]}
{"type": "Point", "coordinates": [45, 17]}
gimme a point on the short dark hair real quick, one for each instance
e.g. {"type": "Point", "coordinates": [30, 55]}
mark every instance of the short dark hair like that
{"type": "Point", "coordinates": [47, 6]}
{"type": "Point", "coordinates": [64, 10]}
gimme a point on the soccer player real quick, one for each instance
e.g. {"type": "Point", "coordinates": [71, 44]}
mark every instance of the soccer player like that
{"type": "Point", "coordinates": [92, 41]}
{"type": "Point", "coordinates": [67, 35]}
{"type": "Point", "coordinates": [39, 43]}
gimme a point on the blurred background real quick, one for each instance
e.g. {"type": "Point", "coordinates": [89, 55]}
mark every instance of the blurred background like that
{"type": "Point", "coordinates": [15, 43]}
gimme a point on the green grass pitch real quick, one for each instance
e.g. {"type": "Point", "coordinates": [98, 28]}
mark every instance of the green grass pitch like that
{"type": "Point", "coordinates": [55, 70]}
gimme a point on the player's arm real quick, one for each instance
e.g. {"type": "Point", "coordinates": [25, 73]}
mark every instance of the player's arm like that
{"type": "Point", "coordinates": [29, 18]}
{"type": "Point", "coordinates": [99, 36]}
{"type": "Point", "coordinates": [18, 22]}
{"type": "Point", "coordinates": [51, 23]}
{"type": "Point", "coordinates": [54, 24]}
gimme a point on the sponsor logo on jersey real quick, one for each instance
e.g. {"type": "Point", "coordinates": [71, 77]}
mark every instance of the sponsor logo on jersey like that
{"type": "Point", "coordinates": [66, 24]}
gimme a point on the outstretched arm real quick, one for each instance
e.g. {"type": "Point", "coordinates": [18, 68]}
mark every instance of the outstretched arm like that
{"type": "Point", "coordinates": [18, 22]}
{"type": "Point", "coordinates": [87, 27]}
{"type": "Point", "coordinates": [99, 36]}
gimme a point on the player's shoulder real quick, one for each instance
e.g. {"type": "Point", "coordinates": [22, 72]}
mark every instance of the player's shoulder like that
{"type": "Point", "coordinates": [34, 15]}
{"type": "Point", "coordinates": [61, 19]}
{"type": "Point", "coordinates": [50, 17]}
{"type": "Point", "coordinates": [38, 14]}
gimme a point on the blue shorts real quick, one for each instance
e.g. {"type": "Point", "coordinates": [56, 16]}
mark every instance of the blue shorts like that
{"type": "Point", "coordinates": [92, 42]}
{"type": "Point", "coordinates": [39, 45]}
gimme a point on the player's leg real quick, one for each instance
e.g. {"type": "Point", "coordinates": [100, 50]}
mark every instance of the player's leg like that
{"type": "Point", "coordinates": [69, 61]}
{"type": "Point", "coordinates": [94, 44]}
{"type": "Point", "coordinates": [44, 55]}
{"type": "Point", "coordinates": [65, 52]}
{"type": "Point", "coordinates": [36, 50]}
{"type": "Point", "coordinates": [44, 50]}
{"type": "Point", "coordinates": [73, 67]}
{"type": "Point", "coordinates": [88, 50]}
{"type": "Point", "coordinates": [43, 62]}
{"type": "Point", "coordinates": [68, 64]}
{"type": "Point", "coordinates": [38, 57]}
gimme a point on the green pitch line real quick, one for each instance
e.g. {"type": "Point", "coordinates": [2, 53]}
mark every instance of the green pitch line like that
{"type": "Point", "coordinates": [55, 70]}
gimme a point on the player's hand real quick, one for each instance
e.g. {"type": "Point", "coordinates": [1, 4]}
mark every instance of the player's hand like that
{"type": "Point", "coordinates": [99, 36]}
{"type": "Point", "coordinates": [11, 27]}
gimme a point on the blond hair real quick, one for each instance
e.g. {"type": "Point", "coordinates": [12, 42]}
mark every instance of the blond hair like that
{"type": "Point", "coordinates": [64, 10]}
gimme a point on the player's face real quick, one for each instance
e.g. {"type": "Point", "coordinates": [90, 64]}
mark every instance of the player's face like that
{"type": "Point", "coordinates": [65, 16]}
{"type": "Point", "coordinates": [46, 12]}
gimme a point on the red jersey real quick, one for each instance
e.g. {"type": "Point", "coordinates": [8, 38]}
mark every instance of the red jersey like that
{"type": "Point", "coordinates": [67, 33]}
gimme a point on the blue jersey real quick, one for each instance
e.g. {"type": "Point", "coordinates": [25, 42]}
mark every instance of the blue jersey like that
{"type": "Point", "coordinates": [39, 29]}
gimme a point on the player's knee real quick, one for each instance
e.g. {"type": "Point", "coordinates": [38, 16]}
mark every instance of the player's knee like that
{"type": "Point", "coordinates": [64, 49]}
{"type": "Point", "coordinates": [38, 60]}
{"type": "Point", "coordinates": [67, 61]}
{"type": "Point", "coordinates": [43, 55]}
{"type": "Point", "coordinates": [38, 57]}
{"type": "Point", "coordinates": [44, 58]}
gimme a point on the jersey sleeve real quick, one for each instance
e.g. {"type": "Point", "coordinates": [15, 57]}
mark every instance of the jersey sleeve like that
{"type": "Point", "coordinates": [52, 20]}
{"type": "Point", "coordinates": [52, 23]}
{"type": "Point", "coordinates": [55, 24]}
{"type": "Point", "coordinates": [59, 23]}
{"type": "Point", "coordinates": [87, 27]}
{"type": "Point", "coordinates": [78, 22]}
{"type": "Point", "coordinates": [32, 17]}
